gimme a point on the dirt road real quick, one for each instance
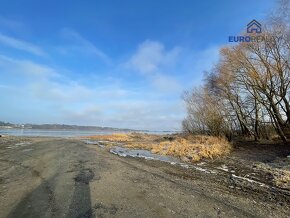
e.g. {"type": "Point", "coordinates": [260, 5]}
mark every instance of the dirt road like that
{"type": "Point", "coordinates": [54, 177]}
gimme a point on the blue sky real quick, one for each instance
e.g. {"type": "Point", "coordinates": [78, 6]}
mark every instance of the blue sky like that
{"type": "Point", "coordinates": [111, 63]}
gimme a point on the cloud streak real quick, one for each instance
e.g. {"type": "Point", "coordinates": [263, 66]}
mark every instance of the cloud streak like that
{"type": "Point", "coordinates": [21, 45]}
{"type": "Point", "coordinates": [83, 45]}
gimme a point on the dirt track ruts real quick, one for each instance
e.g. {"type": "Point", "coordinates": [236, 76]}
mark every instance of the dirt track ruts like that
{"type": "Point", "coordinates": [54, 177]}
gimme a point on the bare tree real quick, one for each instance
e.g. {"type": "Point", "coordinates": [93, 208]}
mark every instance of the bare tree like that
{"type": "Point", "coordinates": [249, 89]}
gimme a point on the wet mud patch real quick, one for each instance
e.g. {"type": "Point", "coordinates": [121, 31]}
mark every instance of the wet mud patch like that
{"type": "Point", "coordinates": [85, 176]}
{"type": "Point", "coordinates": [99, 210]}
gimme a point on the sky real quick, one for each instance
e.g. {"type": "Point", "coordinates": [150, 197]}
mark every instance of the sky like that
{"type": "Point", "coordinates": [122, 63]}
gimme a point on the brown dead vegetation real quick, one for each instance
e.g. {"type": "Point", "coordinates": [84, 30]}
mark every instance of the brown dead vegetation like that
{"type": "Point", "coordinates": [281, 177]}
{"type": "Point", "coordinates": [188, 148]}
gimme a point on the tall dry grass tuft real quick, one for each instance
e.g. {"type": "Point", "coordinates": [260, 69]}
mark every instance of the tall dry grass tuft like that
{"type": "Point", "coordinates": [194, 148]}
{"type": "Point", "coordinates": [116, 137]}
{"type": "Point", "coordinates": [189, 148]}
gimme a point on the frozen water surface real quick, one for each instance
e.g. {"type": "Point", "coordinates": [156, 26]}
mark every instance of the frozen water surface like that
{"type": "Point", "coordinates": [124, 152]}
{"type": "Point", "coordinates": [91, 142]}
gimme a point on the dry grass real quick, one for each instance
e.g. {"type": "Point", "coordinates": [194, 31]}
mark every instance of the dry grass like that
{"type": "Point", "coordinates": [116, 137]}
{"type": "Point", "coordinates": [281, 177]}
{"type": "Point", "coordinates": [188, 148]}
{"type": "Point", "coordinates": [191, 148]}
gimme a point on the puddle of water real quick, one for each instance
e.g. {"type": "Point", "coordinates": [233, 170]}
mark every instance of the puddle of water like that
{"type": "Point", "coordinates": [125, 152]}
{"type": "Point", "coordinates": [203, 169]}
{"type": "Point", "coordinates": [91, 142]}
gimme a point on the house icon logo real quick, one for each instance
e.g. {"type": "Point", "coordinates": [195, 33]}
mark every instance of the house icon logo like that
{"type": "Point", "coordinates": [254, 27]}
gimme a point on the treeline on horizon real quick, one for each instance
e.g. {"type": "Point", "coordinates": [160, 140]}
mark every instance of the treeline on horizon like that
{"type": "Point", "coordinates": [247, 92]}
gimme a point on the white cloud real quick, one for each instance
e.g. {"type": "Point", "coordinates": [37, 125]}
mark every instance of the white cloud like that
{"type": "Point", "coordinates": [58, 92]}
{"type": "Point", "coordinates": [151, 57]}
{"type": "Point", "coordinates": [150, 114]}
{"type": "Point", "coordinates": [147, 58]}
{"type": "Point", "coordinates": [46, 93]}
{"type": "Point", "coordinates": [82, 45]}
{"type": "Point", "coordinates": [21, 45]}
{"type": "Point", "coordinates": [43, 97]}
{"type": "Point", "coordinates": [166, 83]}
{"type": "Point", "coordinates": [43, 81]}
{"type": "Point", "coordinates": [153, 61]}
{"type": "Point", "coordinates": [146, 114]}
{"type": "Point", "coordinates": [26, 67]}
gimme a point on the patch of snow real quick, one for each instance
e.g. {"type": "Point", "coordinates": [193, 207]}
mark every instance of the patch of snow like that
{"type": "Point", "coordinates": [18, 145]}
{"type": "Point", "coordinates": [22, 143]}
{"type": "Point", "coordinates": [204, 170]}
{"type": "Point", "coordinates": [250, 180]}
{"type": "Point", "coordinates": [223, 168]}
{"type": "Point", "coordinates": [184, 165]}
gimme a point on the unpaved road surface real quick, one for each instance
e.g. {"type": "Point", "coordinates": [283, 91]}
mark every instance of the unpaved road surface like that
{"type": "Point", "coordinates": [54, 177]}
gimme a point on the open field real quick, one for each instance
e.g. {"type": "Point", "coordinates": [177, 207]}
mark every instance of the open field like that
{"type": "Point", "coordinates": [57, 177]}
